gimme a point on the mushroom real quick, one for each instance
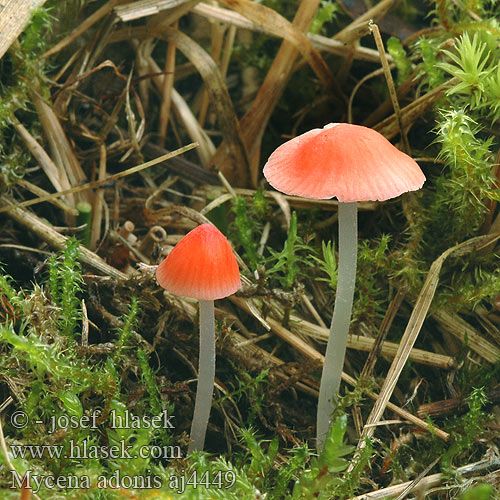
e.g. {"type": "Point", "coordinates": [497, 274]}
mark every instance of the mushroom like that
{"type": "Point", "coordinates": [353, 163]}
{"type": "Point", "coordinates": [202, 266]}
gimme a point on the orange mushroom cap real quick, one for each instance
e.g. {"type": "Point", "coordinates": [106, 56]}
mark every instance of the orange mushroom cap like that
{"type": "Point", "coordinates": [201, 266]}
{"type": "Point", "coordinates": [350, 162]}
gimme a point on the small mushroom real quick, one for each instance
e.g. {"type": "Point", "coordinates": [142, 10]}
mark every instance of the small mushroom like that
{"type": "Point", "coordinates": [202, 266]}
{"type": "Point", "coordinates": [352, 163]}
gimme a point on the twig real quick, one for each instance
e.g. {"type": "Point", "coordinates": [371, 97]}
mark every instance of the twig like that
{"type": "Point", "coordinates": [453, 405]}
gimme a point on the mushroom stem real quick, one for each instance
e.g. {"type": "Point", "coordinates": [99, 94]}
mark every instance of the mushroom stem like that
{"type": "Point", "coordinates": [206, 376]}
{"type": "Point", "coordinates": [337, 341]}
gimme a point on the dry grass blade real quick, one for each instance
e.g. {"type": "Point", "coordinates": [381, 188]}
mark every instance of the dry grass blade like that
{"type": "Point", "coordinates": [216, 203]}
{"type": "Point", "coordinates": [182, 167]}
{"type": "Point", "coordinates": [254, 354]}
{"type": "Point", "coordinates": [312, 354]}
{"type": "Point", "coordinates": [168, 18]}
{"type": "Point", "coordinates": [71, 211]}
{"type": "Point", "coordinates": [390, 84]}
{"type": "Point", "coordinates": [143, 51]}
{"type": "Point", "coordinates": [98, 204]}
{"type": "Point", "coordinates": [282, 202]}
{"type": "Point", "coordinates": [216, 42]}
{"type": "Point", "coordinates": [62, 153]}
{"type": "Point", "coordinates": [278, 25]}
{"type": "Point", "coordinates": [166, 91]}
{"type": "Point", "coordinates": [89, 22]}
{"type": "Point", "coordinates": [413, 328]}
{"type": "Point", "coordinates": [100, 182]}
{"type": "Point", "coordinates": [319, 42]}
{"type": "Point", "coordinates": [389, 127]}
{"type": "Point", "coordinates": [255, 120]}
{"type": "Point", "coordinates": [206, 148]}
{"type": "Point", "coordinates": [134, 131]}
{"type": "Point", "coordinates": [387, 348]}
{"type": "Point", "coordinates": [429, 481]}
{"type": "Point", "coordinates": [228, 16]}
{"type": "Point", "coordinates": [145, 8]}
{"type": "Point", "coordinates": [250, 307]}
{"type": "Point", "coordinates": [363, 343]}
{"type": "Point", "coordinates": [193, 128]}
{"type": "Point", "coordinates": [338, 48]}
{"type": "Point", "coordinates": [418, 479]}
{"type": "Point", "coordinates": [389, 316]}
{"type": "Point", "coordinates": [296, 342]}
{"type": "Point", "coordinates": [236, 168]}
{"type": "Point", "coordinates": [293, 201]}
{"type": "Point", "coordinates": [57, 176]}
{"type": "Point", "coordinates": [14, 15]}
{"type": "Point", "coordinates": [43, 159]}
{"type": "Point", "coordinates": [56, 240]}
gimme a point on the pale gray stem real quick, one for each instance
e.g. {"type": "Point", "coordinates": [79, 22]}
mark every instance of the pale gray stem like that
{"type": "Point", "coordinates": [337, 341]}
{"type": "Point", "coordinates": [206, 376]}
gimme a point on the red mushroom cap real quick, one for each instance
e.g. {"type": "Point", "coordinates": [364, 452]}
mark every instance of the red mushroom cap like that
{"type": "Point", "coordinates": [351, 162]}
{"type": "Point", "coordinates": [201, 266]}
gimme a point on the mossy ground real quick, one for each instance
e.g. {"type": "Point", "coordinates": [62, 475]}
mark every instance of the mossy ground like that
{"type": "Point", "coordinates": [86, 343]}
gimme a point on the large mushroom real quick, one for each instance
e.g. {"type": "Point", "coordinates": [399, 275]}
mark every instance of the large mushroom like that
{"type": "Point", "coordinates": [202, 266]}
{"type": "Point", "coordinates": [352, 163]}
